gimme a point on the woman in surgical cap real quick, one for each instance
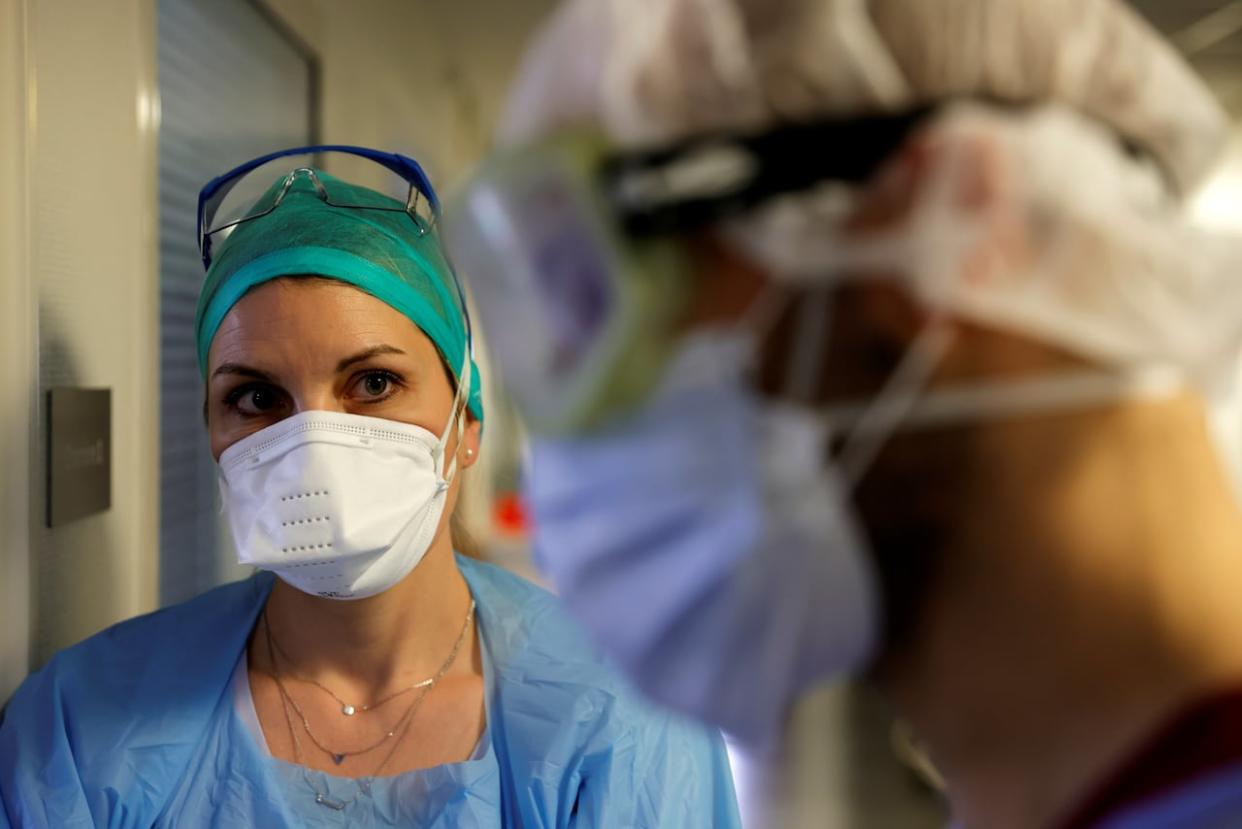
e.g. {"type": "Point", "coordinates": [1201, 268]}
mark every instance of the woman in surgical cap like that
{"type": "Point", "coordinates": [943, 389]}
{"type": "Point", "coordinates": [367, 674]}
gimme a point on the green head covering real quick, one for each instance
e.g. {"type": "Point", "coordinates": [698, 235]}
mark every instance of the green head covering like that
{"type": "Point", "coordinates": [388, 254]}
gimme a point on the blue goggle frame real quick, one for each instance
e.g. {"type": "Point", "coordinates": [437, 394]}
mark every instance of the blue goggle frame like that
{"type": "Point", "coordinates": [215, 191]}
{"type": "Point", "coordinates": [212, 196]}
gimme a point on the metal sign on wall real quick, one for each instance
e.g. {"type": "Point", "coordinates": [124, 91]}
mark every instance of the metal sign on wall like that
{"type": "Point", "coordinates": [79, 451]}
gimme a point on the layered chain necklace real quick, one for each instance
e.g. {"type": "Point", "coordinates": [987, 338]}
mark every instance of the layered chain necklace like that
{"type": "Point", "coordinates": [290, 707]}
{"type": "Point", "coordinates": [347, 709]}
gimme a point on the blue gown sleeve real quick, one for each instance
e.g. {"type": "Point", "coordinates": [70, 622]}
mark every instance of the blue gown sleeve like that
{"type": "Point", "coordinates": [39, 780]}
{"type": "Point", "coordinates": [672, 774]}
{"type": "Point", "coordinates": [101, 735]}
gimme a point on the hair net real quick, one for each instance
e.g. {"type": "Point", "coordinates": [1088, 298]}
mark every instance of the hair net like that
{"type": "Point", "coordinates": [1107, 273]}
{"type": "Point", "coordinates": [381, 252]}
{"type": "Point", "coordinates": [652, 70]}
{"type": "Point", "coordinates": [1076, 244]}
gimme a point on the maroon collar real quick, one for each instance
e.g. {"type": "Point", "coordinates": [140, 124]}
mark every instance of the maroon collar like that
{"type": "Point", "coordinates": [1203, 738]}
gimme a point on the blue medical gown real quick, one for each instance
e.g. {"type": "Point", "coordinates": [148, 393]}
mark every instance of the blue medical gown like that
{"type": "Point", "coordinates": [136, 727]}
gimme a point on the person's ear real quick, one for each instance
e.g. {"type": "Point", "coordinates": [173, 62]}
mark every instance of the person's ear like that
{"type": "Point", "coordinates": [965, 160]}
{"type": "Point", "coordinates": [960, 173]}
{"type": "Point", "coordinates": [471, 440]}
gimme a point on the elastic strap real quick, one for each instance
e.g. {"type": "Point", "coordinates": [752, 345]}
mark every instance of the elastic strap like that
{"type": "Point", "coordinates": [1065, 391]}
{"type": "Point", "coordinates": [893, 405]}
{"type": "Point", "coordinates": [455, 417]}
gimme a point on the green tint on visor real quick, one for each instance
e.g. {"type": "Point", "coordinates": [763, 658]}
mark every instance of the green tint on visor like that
{"type": "Point", "coordinates": [382, 252]}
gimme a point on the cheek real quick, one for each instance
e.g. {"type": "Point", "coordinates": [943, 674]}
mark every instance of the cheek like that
{"type": "Point", "coordinates": [425, 404]}
{"type": "Point", "coordinates": [219, 437]}
{"type": "Point", "coordinates": [222, 433]}
{"type": "Point", "coordinates": [215, 436]}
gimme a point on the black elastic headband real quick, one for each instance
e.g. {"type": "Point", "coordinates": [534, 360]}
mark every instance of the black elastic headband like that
{"type": "Point", "coordinates": [652, 194]}
{"type": "Point", "coordinates": [656, 193]}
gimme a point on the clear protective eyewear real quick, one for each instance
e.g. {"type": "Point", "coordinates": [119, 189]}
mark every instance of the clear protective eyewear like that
{"type": "Point", "coordinates": [238, 196]}
{"type": "Point", "coordinates": [245, 193]}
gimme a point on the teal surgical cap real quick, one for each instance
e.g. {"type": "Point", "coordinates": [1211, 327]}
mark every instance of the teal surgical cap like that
{"type": "Point", "coordinates": [382, 252]}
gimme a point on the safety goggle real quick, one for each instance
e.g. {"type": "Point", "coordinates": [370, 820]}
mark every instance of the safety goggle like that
{"type": "Point", "coordinates": [572, 248]}
{"type": "Point", "coordinates": [236, 197]}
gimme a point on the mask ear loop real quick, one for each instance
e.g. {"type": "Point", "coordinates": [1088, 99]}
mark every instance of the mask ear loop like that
{"type": "Point", "coordinates": [456, 418]}
{"type": "Point", "coordinates": [760, 317]}
{"type": "Point", "coordinates": [461, 399]}
{"type": "Point", "coordinates": [812, 330]}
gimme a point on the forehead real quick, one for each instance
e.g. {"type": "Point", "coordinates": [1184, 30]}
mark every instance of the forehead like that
{"type": "Point", "coordinates": [303, 318]}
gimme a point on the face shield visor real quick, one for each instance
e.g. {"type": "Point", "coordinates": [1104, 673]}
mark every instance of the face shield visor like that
{"type": "Point", "coordinates": [575, 258]}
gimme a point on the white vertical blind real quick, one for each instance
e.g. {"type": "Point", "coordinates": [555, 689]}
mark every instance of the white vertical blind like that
{"type": "Point", "coordinates": [232, 86]}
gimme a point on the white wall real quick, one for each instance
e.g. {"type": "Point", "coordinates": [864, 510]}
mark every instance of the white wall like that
{"type": "Point", "coordinates": [90, 160]}
{"type": "Point", "coordinates": [426, 77]}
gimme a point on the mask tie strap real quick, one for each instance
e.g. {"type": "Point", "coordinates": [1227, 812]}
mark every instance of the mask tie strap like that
{"type": "Point", "coordinates": [812, 327]}
{"type": "Point", "coordinates": [895, 401]}
{"type": "Point", "coordinates": [1062, 392]}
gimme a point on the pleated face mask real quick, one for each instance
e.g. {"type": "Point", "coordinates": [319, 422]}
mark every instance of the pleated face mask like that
{"type": "Point", "coordinates": [338, 505]}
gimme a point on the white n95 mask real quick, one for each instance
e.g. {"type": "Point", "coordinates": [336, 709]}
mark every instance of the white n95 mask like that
{"type": "Point", "coordinates": [337, 505]}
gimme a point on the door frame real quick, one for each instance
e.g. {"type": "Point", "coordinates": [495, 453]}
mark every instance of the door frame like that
{"type": "Point", "coordinates": [18, 349]}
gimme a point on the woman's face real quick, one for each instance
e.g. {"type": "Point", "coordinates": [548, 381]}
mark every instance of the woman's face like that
{"type": "Point", "coordinates": [304, 344]}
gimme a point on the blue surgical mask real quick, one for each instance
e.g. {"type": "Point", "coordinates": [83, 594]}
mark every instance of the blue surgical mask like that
{"type": "Point", "coordinates": [706, 544]}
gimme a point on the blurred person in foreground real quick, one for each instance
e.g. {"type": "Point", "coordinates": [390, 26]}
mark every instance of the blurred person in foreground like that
{"type": "Point", "coordinates": [875, 337]}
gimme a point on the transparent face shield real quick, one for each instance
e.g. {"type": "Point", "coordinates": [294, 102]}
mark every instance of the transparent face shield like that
{"type": "Point", "coordinates": [575, 257]}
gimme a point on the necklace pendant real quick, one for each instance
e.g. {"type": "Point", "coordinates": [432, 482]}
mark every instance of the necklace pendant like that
{"type": "Point", "coordinates": [324, 800]}
{"type": "Point", "coordinates": [347, 710]}
{"type": "Point", "coordinates": [338, 758]}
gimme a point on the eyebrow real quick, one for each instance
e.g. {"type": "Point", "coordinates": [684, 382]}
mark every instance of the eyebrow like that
{"type": "Point", "coordinates": [374, 351]}
{"type": "Point", "coordinates": [240, 370]}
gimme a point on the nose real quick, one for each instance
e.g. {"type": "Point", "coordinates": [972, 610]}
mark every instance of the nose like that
{"type": "Point", "coordinates": [317, 397]}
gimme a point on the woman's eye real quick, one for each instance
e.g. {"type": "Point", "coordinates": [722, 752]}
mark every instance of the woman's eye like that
{"type": "Point", "coordinates": [376, 385]}
{"type": "Point", "coordinates": [261, 399]}
{"type": "Point", "coordinates": [254, 400]}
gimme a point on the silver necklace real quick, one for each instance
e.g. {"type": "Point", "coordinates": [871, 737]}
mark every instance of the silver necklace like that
{"type": "Point", "coordinates": [338, 757]}
{"type": "Point", "coordinates": [364, 783]}
{"type": "Point", "coordinates": [402, 726]}
{"type": "Point", "coordinates": [346, 708]}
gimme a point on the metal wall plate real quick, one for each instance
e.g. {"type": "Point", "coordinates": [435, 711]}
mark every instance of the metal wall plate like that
{"type": "Point", "coordinates": [79, 454]}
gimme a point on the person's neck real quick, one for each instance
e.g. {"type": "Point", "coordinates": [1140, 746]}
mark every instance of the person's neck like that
{"type": "Point", "coordinates": [1057, 642]}
{"type": "Point", "coordinates": [365, 646]}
